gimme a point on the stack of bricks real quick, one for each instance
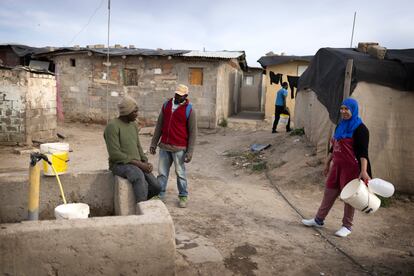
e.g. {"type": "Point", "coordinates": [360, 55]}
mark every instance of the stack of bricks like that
{"type": "Point", "coordinates": [377, 51]}
{"type": "Point", "coordinates": [373, 49]}
{"type": "Point", "coordinates": [363, 46]}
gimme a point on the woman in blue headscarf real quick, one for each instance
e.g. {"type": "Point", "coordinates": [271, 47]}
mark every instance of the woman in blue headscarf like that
{"type": "Point", "coordinates": [347, 160]}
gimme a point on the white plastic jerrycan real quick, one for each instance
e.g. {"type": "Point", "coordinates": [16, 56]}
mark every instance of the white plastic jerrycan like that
{"type": "Point", "coordinates": [381, 187]}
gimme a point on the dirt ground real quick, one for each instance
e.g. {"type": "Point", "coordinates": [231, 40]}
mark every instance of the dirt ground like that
{"type": "Point", "coordinates": [244, 211]}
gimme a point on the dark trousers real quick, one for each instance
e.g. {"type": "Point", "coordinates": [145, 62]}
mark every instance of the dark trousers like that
{"type": "Point", "coordinates": [145, 185]}
{"type": "Point", "coordinates": [280, 110]}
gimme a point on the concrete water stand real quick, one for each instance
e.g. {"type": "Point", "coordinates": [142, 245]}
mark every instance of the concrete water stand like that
{"type": "Point", "coordinates": [142, 243]}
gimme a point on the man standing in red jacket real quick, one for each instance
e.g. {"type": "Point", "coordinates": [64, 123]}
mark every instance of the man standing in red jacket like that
{"type": "Point", "coordinates": [177, 128]}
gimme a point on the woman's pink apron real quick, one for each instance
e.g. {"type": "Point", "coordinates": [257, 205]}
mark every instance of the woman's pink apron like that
{"type": "Point", "coordinates": [345, 166]}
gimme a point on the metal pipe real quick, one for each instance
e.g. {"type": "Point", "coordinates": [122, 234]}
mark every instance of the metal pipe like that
{"type": "Point", "coordinates": [34, 187]}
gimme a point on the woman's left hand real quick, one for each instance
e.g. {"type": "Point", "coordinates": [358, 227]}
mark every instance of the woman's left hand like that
{"type": "Point", "coordinates": [364, 176]}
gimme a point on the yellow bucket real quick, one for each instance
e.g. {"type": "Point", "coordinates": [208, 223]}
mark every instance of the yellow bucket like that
{"type": "Point", "coordinates": [58, 155]}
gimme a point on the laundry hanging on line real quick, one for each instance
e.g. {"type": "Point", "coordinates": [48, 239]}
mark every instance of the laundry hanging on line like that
{"type": "Point", "coordinates": [293, 82]}
{"type": "Point", "coordinates": [275, 78]}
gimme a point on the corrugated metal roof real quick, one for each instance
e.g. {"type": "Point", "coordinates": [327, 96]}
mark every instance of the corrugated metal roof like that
{"type": "Point", "coordinates": [27, 68]}
{"type": "Point", "coordinates": [118, 51]}
{"type": "Point", "coordinates": [275, 59]}
{"type": "Point", "coordinates": [215, 54]}
{"type": "Point", "coordinates": [138, 51]}
{"type": "Point", "coordinates": [240, 55]}
{"type": "Point", "coordinates": [151, 52]}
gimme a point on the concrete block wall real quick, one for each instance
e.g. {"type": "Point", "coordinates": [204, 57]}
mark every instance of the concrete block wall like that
{"type": "Point", "coordinates": [13, 89]}
{"type": "Point", "coordinates": [27, 106]}
{"type": "Point", "coordinates": [73, 83]}
{"type": "Point", "coordinates": [157, 80]}
{"type": "Point", "coordinates": [41, 120]}
{"type": "Point", "coordinates": [203, 96]}
{"type": "Point", "coordinates": [228, 90]}
{"type": "Point", "coordinates": [83, 87]}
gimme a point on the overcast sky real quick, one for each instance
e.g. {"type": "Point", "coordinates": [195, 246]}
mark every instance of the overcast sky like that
{"type": "Point", "coordinates": [255, 26]}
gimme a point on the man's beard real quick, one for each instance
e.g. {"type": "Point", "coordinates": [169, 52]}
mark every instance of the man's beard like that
{"type": "Point", "coordinates": [177, 101]}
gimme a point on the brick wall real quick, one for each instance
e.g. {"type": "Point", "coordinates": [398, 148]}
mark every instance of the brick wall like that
{"type": "Point", "coordinates": [41, 120]}
{"type": "Point", "coordinates": [27, 106]}
{"type": "Point", "coordinates": [83, 87]}
{"type": "Point", "coordinates": [72, 85]}
{"type": "Point", "coordinates": [13, 88]}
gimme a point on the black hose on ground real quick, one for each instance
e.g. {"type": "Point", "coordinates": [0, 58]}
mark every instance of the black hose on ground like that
{"type": "Point", "coordinates": [352, 259]}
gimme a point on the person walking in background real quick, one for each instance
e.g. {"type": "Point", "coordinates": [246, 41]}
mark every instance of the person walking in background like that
{"type": "Point", "coordinates": [347, 160]}
{"type": "Point", "coordinates": [177, 129]}
{"type": "Point", "coordinates": [126, 157]}
{"type": "Point", "coordinates": [280, 107]}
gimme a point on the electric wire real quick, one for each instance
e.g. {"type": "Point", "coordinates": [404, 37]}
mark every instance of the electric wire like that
{"type": "Point", "coordinates": [86, 25]}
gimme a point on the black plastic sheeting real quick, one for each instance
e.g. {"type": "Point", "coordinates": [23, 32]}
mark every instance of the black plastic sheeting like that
{"type": "Point", "coordinates": [23, 50]}
{"type": "Point", "coordinates": [326, 72]}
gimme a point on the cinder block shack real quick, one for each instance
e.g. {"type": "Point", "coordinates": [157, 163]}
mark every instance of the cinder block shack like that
{"type": "Point", "coordinates": [27, 105]}
{"type": "Point", "coordinates": [89, 87]}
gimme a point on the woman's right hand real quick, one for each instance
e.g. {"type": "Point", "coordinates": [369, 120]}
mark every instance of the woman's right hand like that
{"type": "Point", "coordinates": [326, 169]}
{"type": "Point", "coordinates": [327, 165]}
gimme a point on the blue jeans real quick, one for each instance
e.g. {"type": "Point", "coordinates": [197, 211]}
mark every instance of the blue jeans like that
{"type": "Point", "coordinates": [165, 162]}
{"type": "Point", "coordinates": [145, 185]}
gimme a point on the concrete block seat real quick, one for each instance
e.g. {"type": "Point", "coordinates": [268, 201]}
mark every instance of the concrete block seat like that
{"type": "Point", "coordinates": [124, 198]}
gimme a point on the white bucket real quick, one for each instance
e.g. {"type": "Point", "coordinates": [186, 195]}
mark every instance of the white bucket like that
{"type": "Point", "coordinates": [58, 154]}
{"type": "Point", "coordinates": [284, 119]}
{"type": "Point", "coordinates": [72, 211]}
{"type": "Point", "coordinates": [381, 187]}
{"type": "Point", "coordinates": [356, 194]}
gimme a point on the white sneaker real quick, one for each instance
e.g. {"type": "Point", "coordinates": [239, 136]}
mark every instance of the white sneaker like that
{"type": "Point", "coordinates": [311, 222]}
{"type": "Point", "coordinates": [343, 232]}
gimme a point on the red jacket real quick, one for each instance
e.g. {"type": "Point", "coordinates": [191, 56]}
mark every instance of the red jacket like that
{"type": "Point", "coordinates": [174, 126]}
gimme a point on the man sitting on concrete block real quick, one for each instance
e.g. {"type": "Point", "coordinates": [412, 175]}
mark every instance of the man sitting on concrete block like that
{"type": "Point", "coordinates": [126, 157]}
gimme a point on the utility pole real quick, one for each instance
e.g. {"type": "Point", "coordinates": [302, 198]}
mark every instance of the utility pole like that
{"type": "Point", "coordinates": [107, 63]}
{"type": "Point", "coordinates": [353, 27]}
